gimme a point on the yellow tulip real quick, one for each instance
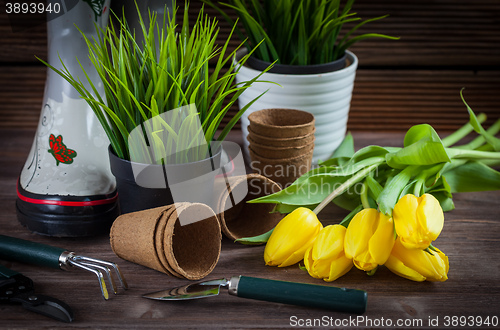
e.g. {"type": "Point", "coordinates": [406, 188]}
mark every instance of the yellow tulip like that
{"type": "Point", "coordinates": [326, 258]}
{"type": "Point", "coordinates": [418, 265]}
{"type": "Point", "coordinates": [369, 239]}
{"type": "Point", "coordinates": [291, 237]}
{"type": "Point", "coordinates": [418, 220]}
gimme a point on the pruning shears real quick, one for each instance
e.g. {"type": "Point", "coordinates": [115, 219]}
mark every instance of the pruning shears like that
{"type": "Point", "coordinates": [16, 288]}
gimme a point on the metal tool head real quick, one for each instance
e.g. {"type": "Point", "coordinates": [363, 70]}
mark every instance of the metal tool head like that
{"type": "Point", "coordinates": [19, 289]}
{"type": "Point", "coordinates": [190, 291]}
{"type": "Point", "coordinates": [98, 267]}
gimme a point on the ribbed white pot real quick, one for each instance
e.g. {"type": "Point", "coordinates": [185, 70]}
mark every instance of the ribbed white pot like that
{"type": "Point", "coordinates": [327, 96]}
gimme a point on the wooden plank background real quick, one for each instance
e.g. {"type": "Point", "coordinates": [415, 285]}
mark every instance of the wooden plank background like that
{"type": "Point", "coordinates": [445, 45]}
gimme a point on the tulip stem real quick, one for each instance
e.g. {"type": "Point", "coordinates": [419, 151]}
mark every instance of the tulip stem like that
{"type": "Point", "coordinates": [419, 183]}
{"type": "Point", "coordinates": [458, 153]}
{"type": "Point", "coordinates": [461, 132]}
{"type": "Point", "coordinates": [480, 140]}
{"type": "Point", "coordinates": [364, 197]}
{"type": "Point", "coordinates": [360, 175]}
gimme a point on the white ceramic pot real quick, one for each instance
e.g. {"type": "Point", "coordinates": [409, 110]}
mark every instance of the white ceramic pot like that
{"type": "Point", "coordinates": [327, 96]}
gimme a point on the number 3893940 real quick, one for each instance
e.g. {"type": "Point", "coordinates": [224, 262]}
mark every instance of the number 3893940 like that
{"type": "Point", "coordinates": [32, 7]}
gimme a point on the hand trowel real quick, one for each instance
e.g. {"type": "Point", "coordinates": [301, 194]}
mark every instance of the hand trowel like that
{"type": "Point", "coordinates": [301, 294]}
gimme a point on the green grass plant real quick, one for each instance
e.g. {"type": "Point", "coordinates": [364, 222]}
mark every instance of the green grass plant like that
{"type": "Point", "coordinates": [297, 32]}
{"type": "Point", "coordinates": [177, 65]}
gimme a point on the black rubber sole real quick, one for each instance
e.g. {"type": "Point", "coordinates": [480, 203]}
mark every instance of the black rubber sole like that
{"type": "Point", "coordinates": [67, 216]}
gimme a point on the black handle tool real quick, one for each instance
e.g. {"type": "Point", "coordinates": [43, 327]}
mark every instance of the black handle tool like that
{"type": "Point", "coordinates": [16, 288]}
{"type": "Point", "coordinates": [12, 248]}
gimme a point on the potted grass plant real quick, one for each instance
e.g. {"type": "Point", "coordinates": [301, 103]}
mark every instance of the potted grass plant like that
{"type": "Point", "coordinates": [308, 41]}
{"type": "Point", "coordinates": [173, 90]}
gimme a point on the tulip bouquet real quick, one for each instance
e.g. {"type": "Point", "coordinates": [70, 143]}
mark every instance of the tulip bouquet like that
{"type": "Point", "coordinates": [396, 210]}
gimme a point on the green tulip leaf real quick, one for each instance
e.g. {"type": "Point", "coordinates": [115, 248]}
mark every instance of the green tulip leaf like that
{"type": "Point", "coordinates": [422, 146]}
{"type": "Point", "coordinates": [476, 124]}
{"type": "Point", "coordinates": [423, 132]}
{"type": "Point", "coordinates": [353, 167]}
{"type": "Point", "coordinates": [442, 191]}
{"type": "Point", "coordinates": [374, 188]}
{"type": "Point", "coordinates": [370, 152]}
{"type": "Point", "coordinates": [410, 189]}
{"type": "Point", "coordinates": [343, 152]}
{"type": "Point", "coordinates": [440, 187]}
{"type": "Point", "coordinates": [347, 201]}
{"type": "Point", "coordinates": [392, 190]}
{"type": "Point", "coordinates": [345, 222]}
{"type": "Point", "coordinates": [362, 154]}
{"type": "Point", "coordinates": [445, 201]}
{"type": "Point", "coordinates": [433, 174]}
{"type": "Point", "coordinates": [472, 176]}
{"type": "Point", "coordinates": [314, 172]}
{"type": "Point", "coordinates": [287, 208]}
{"type": "Point", "coordinates": [427, 177]}
{"type": "Point", "coordinates": [255, 240]}
{"type": "Point", "coordinates": [334, 161]}
{"type": "Point", "coordinates": [346, 148]}
{"type": "Point", "coordinates": [421, 152]}
{"type": "Point", "coordinates": [310, 190]}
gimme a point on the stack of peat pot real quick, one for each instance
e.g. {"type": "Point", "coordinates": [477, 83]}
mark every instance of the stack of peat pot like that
{"type": "Point", "coordinates": [281, 143]}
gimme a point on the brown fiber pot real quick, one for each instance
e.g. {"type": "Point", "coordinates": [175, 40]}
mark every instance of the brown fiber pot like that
{"type": "Point", "coordinates": [280, 153]}
{"type": "Point", "coordinates": [281, 123]}
{"type": "Point", "coordinates": [246, 219]}
{"type": "Point", "coordinates": [155, 238]}
{"type": "Point", "coordinates": [283, 171]}
{"type": "Point", "coordinates": [276, 142]}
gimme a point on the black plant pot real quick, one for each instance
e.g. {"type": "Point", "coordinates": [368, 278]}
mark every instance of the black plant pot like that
{"type": "Point", "coordinates": [145, 186]}
{"type": "Point", "coordinates": [260, 65]}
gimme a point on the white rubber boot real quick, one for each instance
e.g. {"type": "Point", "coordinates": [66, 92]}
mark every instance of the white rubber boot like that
{"type": "Point", "coordinates": [66, 187]}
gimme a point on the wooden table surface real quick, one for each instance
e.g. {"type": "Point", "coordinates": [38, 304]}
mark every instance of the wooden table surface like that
{"type": "Point", "coordinates": [470, 238]}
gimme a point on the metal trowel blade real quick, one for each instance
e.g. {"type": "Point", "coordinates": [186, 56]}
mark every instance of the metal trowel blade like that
{"type": "Point", "coordinates": [190, 291]}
